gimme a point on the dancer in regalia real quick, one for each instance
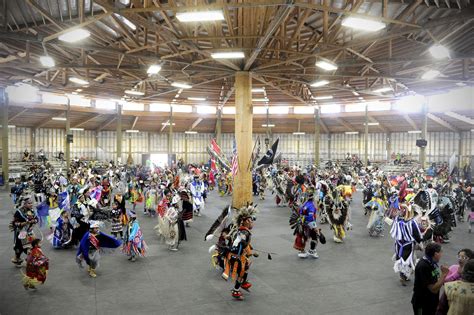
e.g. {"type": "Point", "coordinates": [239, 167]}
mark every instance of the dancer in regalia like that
{"type": "Point", "coordinates": [22, 225]}
{"type": "Point", "coordinates": [37, 265]}
{"type": "Point", "coordinates": [304, 223]}
{"type": "Point", "coordinates": [134, 245]}
{"type": "Point", "coordinates": [63, 232]}
{"type": "Point", "coordinates": [91, 245]}
{"type": "Point", "coordinates": [407, 234]}
{"type": "Point", "coordinates": [238, 259]}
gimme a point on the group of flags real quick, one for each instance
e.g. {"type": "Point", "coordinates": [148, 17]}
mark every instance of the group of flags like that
{"type": "Point", "coordinates": [218, 157]}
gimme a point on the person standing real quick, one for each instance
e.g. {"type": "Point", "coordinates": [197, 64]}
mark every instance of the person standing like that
{"type": "Point", "coordinates": [458, 296]}
{"type": "Point", "coordinates": [429, 278]}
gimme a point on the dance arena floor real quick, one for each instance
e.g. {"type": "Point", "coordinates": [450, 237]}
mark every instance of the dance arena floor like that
{"type": "Point", "coordinates": [351, 278]}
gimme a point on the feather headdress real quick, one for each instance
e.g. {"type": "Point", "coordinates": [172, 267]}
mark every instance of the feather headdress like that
{"type": "Point", "coordinates": [248, 211]}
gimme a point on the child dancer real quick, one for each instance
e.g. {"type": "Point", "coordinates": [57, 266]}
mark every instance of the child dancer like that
{"type": "Point", "coordinates": [133, 240]}
{"type": "Point", "coordinates": [37, 265]}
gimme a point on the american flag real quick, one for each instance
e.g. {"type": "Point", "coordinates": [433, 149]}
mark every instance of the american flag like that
{"type": "Point", "coordinates": [235, 159]}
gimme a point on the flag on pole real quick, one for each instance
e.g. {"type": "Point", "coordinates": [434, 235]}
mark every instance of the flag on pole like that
{"type": "Point", "coordinates": [216, 147]}
{"type": "Point", "coordinates": [235, 159]}
{"type": "Point", "coordinates": [213, 164]}
{"type": "Point", "coordinates": [268, 158]}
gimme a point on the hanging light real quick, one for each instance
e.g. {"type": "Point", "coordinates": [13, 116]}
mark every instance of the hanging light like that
{"type": "Point", "coordinates": [203, 16]}
{"type": "Point", "coordinates": [430, 74]}
{"type": "Point", "coordinates": [190, 132]}
{"type": "Point", "coordinates": [383, 89]}
{"type": "Point", "coordinates": [74, 35]}
{"type": "Point", "coordinates": [134, 92]}
{"type": "Point", "coordinates": [320, 83]}
{"type": "Point", "coordinates": [228, 55]}
{"type": "Point", "coordinates": [439, 51]}
{"type": "Point", "coordinates": [181, 85]}
{"type": "Point", "coordinates": [153, 69]}
{"type": "Point", "coordinates": [326, 97]}
{"type": "Point", "coordinates": [47, 61]}
{"type": "Point", "coordinates": [258, 90]}
{"type": "Point", "coordinates": [363, 24]}
{"type": "Point", "coordinates": [326, 65]}
{"type": "Point", "coordinates": [78, 81]}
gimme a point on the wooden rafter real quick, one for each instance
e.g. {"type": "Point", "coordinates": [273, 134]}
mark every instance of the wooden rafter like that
{"type": "Point", "coordinates": [442, 122]}
{"type": "Point", "coordinates": [459, 117]}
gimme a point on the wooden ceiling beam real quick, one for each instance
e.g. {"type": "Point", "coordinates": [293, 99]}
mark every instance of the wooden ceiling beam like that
{"type": "Point", "coordinates": [279, 17]}
{"type": "Point", "coordinates": [273, 85]}
{"type": "Point", "coordinates": [11, 118]}
{"type": "Point", "coordinates": [104, 124]}
{"type": "Point", "coordinates": [134, 123]}
{"type": "Point", "coordinates": [195, 123]}
{"type": "Point", "coordinates": [459, 117]}
{"type": "Point", "coordinates": [44, 122]}
{"type": "Point", "coordinates": [43, 13]}
{"type": "Point", "coordinates": [86, 120]}
{"type": "Point", "coordinates": [410, 121]}
{"type": "Point", "coordinates": [442, 122]}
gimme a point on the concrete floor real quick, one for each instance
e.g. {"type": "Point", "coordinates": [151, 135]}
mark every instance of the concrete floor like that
{"type": "Point", "coordinates": [351, 278]}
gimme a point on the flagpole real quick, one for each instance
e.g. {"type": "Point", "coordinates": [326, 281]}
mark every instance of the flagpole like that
{"type": "Point", "coordinates": [251, 156]}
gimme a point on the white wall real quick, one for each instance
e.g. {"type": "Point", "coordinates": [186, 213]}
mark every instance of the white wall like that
{"type": "Point", "coordinates": [440, 144]}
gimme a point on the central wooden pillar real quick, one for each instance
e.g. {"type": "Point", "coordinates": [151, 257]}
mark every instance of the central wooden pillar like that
{"type": "Point", "coordinates": [424, 133]}
{"type": "Point", "coordinates": [366, 136]}
{"type": "Point", "coordinates": [119, 133]}
{"type": "Point", "coordinates": [242, 190]}
{"type": "Point", "coordinates": [67, 144]}
{"type": "Point", "coordinates": [4, 121]}
{"type": "Point", "coordinates": [317, 123]}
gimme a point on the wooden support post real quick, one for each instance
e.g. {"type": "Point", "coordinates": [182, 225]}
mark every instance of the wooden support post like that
{"type": "Point", "coordinates": [366, 136]}
{"type": "Point", "coordinates": [329, 146]}
{"type": "Point", "coordinates": [317, 135]}
{"type": "Point", "coordinates": [129, 159]}
{"type": "Point", "coordinates": [218, 127]}
{"type": "Point", "coordinates": [68, 131]}
{"type": "Point", "coordinates": [119, 133]}
{"type": "Point", "coordinates": [459, 151]}
{"type": "Point", "coordinates": [242, 190]}
{"type": "Point", "coordinates": [96, 144]}
{"type": "Point", "coordinates": [388, 146]}
{"type": "Point", "coordinates": [5, 163]}
{"type": "Point", "coordinates": [186, 148]}
{"type": "Point", "coordinates": [33, 140]}
{"type": "Point", "coordinates": [170, 135]}
{"type": "Point", "coordinates": [424, 131]}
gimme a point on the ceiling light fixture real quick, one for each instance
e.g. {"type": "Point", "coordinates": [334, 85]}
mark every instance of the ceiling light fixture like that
{"type": "Point", "coordinates": [134, 92]}
{"type": "Point", "coordinates": [47, 61]}
{"type": "Point", "coordinates": [372, 124]}
{"type": "Point", "coordinates": [260, 99]}
{"type": "Point", "coordinates": [228, 55]}
{"type": "Point", "coordinates": [78, 90]}
{"type": "Point", "coordinates": [9, 126]}
{"type": "Point", "coordinates": [74, 35]}
{"type": "Point", "coordinates": [190, 132]}
{"type": "Point", "coordinates": [439, 51]}
{"type": "Point", "coordinates": [196, 98]}
{"type": "Point", "coordinates": [181, 85]}
{"type": "Point", "coordinates": [383, 89]}
{"type": "Point", "coordinates": [268, 125]}
{"type": "Point", "coordinates": [355, 93]}
{"type": "Point", "coordinates": [167, 123]}
{"type": "Point", "coordinates": [78, 81]}
{"type": "Point", "coordinates": [132, 130]}
{"type": "Point", "coordinates": [59, 118]}
{"type": "Point", "coordinates": [153, 69]}
{"type": "Point", "coordinates": [414, 131]}
{"type": "Point", "coordinates": [430, 74]}
{"type": "Point", "coordinates": [76, 129]}
{"type": "Point", "coordinates": [299, 133]}
{"type": "Point", "coordinates": [320, 83]}
{"type": "Point", "coordinates": [258, 90]}
{"type": "Point", "coordinates": [202, 16]}
{"type": "Point", "coordinates": [363, 24]}
{"type": "Point", "coordinates": [326, 97]}
{"type": "Point", "coordinates": [326, 65]}
{"type": "Point", "coordinates": [351, 132]}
